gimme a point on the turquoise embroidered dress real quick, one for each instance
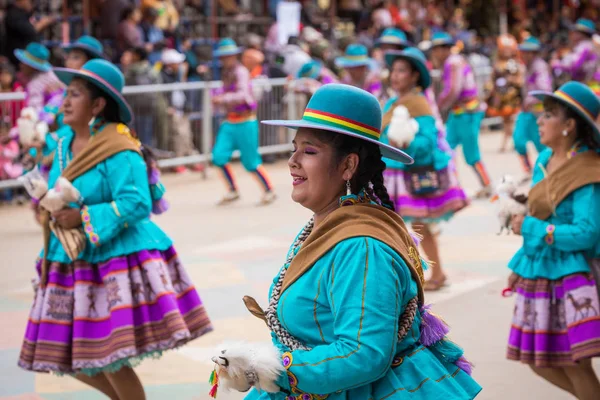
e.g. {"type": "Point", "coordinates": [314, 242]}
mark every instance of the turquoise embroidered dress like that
{"type": "Point", "coordinates": [126, 296]}
{"type": "Point", "coordinates": [346, 308]}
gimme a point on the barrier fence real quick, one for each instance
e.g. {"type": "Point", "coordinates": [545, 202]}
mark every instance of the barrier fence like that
{"type": "Point", "coordinates": [179, 119]}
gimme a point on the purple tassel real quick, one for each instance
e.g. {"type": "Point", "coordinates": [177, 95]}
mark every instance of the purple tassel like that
{"type": "Point", "coordinates": [159, 206]}
{"type": "Point", "coordinates": [416, 238]}
{"type": "Point", "coordinates": [433, 329]}
{"type": "Point", "coordinates": [465, 365]}
{"type": "Point", "coordinates": [154, 176]}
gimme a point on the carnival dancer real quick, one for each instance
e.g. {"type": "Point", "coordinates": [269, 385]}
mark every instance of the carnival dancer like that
{"type": "Point", "coordinates": [358, 69]}
{"type": "Point", "coordinates": [312, 76]}
{"type": "Point", "coordinates": [367, 336]}
{"type": "Point", "coordinates": [240, 129]}
{"type": "Point", "coordinates": [428, 191]}
{"type": "Point", "coordinates": [506, 86]}
{"type": "Point", "coordinates": [582, 62]}
{"type": "Point", "coordinates": [537, 77]}
{"type": "Point", "coordinates": [556, 322]}
{"type": "Point", "coordinates": [390, 39]}
{"type": "Point", "coordinates": [112, 290]}
{"type": "Point", "coordinates": [461, 98]}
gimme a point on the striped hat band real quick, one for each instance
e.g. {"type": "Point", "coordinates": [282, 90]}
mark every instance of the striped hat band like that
{"type": "Point", "coordinates": [337, 121]}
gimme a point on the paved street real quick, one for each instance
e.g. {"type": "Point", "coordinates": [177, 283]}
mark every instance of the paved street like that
{"type": "Point", "coordinates": [235, 251]}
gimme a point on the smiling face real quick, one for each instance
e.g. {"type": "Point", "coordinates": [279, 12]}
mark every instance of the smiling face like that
{"type": "Point", "coordinates": [403, 77]}
{"type": "Point", "coordinates": [318, 175]}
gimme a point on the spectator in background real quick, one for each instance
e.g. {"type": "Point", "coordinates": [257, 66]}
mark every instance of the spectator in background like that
{"type": "Point", "coordinates": [152, 35]}
{"type": "Point", "coordinates": [168, 16]}
{"type": "Point", "coordinates": [110, 16]}
{"type": "Point", "coordinates": [149, 108]}
{"type": "Point", "coordinates": [294, 56]}
{"type": "Point", "coordinates": [129, 33]}
{"type": "Point", "coordinates": [20, 30]}
{"type": "Point", "coordinates": [9, 110]}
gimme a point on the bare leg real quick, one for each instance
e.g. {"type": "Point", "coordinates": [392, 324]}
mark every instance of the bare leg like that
{"type": "Point", "coordinates": [508, 126]}
{"type": "Point", "coordinates": [430, 247]}
{"type": "Point", "coordinates": [584, 380]}
{"type": "Point", "coordinates": [99, 382]}
{"type": "Point", "coordinates": [127, 384]}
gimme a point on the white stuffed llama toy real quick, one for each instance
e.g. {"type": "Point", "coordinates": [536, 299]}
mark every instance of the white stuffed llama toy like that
{"type": "Point", "coordinates": [30, 128]}
{"type": "Point", "coordinates": [241, 366]}
{"type": "Point", "coordinates": [54, 199]}
{"type": "Point", "coordinates": [512, 202]}
{"type": "Point", "coordinates": [403, 128]}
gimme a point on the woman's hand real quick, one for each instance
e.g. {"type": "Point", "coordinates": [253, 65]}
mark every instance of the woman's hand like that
{"type": "Point", "coordinates": [516, 223]}
{"type": "Point", "coordinates": [68, 218]}
{"type": "Point", "coordinates": [512, 281]}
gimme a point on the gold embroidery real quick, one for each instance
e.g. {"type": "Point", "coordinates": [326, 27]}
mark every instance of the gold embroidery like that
{"type": "Point", "coordinates": [362, 316]}
{"type": "Point", "coordinates": [413, 254]}
{"type": "Point", "coordinates": [421, 384]}
{"type": "Point", "coordinates": [124, 130]}
{"type": "Point", "coordinates": [315, 307]}
{"type": "Point", "coordinates": [331, 290]}
{"type": "Point", "coordinates": [115, 208]}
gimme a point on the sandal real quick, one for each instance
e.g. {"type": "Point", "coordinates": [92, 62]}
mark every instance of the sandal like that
{"type": "Point", "coordinates": [432, 285]}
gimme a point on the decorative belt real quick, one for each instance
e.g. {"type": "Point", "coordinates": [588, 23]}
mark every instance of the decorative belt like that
{"type": "Point", "coordinates": [469, 106]}
{"type": "Point", "coordinates": [236, 117]}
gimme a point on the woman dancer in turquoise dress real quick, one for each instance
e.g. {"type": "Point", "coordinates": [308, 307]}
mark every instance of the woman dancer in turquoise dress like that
{"type": "Point", "coordinates": [346, 310]}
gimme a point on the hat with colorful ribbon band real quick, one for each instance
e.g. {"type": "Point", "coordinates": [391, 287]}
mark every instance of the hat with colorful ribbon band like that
{"type": "Point", "coordinates": [442, 39]}
{"type": "Point", "coordinates": [356, 56]}
{"type": "Point", "coordinates": [393, 36]}
{"type": "Point", "coordinates": [346, 110]}
{"type": "Point", "coordinates": [90, 45]}
{"type": "Point", "coordinates": [530, 44]}
{"type": "Point", "coordinates": [227, 47]}
{"type": "Point", "coordinates": [311, 69]}
{"type": "Point", "coordinates": [105, 76]}
{"type": "Point", "coordinates": [36, 56]}
{"type": "Point", "coordinates": [579, 98]}
{"type": "Point", "coordinates": [416, 58]}
{"type": "Point", "coordinates": [585, 26]}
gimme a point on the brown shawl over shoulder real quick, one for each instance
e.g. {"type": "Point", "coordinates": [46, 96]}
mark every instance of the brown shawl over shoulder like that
{"type": "Point", "coordinates": [359, 220]}
{"type": "Point", "coordinates": [582, 169]}
{"type": "Point", "coordinates": [415, 103]}
{"type": "Point", "coordinates": [113, 139]}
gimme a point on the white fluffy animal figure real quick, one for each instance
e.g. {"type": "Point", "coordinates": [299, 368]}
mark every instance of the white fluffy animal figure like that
{"type": "Point", "coordinates": [402, 128]}
{"type": "Point", "coordinates": [242, 365]}
{"type": "Point", "coordinates": [34, 183]}
{"type": "Point", "coordinates": [30, 128]}
{"type": "Point", "coordinates": [511, 202]}
{"type": "Point", "coordinates": [60, 196]}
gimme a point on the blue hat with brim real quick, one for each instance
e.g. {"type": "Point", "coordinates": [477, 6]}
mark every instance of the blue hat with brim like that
{"type": "Point", "coordinates": [227, 47]}
{"type": "Point", "coordinates": [90, 45]}
{"type": "Point", "coordinates": [530, 44]}
{"type": "Point", "coordinates": [585, 26]}
{"type": "Point", "coordinates": [346, 110]}
{"type": "Point", "coordinates": [36, 56]}
{"type": "Point", "coordinates": [442, 39]}
{"type": "Point", "coordinates": [356, 56]}
{"type": "Point", "coordinates": [393, 36]}
{"type": "Point", "coordinates": [311, 69]}
{"type": "Point", "coordinates": [578, 97]}
{"type": "Point", "coordinates": [104, 75]}
{"type": "Point", "coordinates": [416, 58]}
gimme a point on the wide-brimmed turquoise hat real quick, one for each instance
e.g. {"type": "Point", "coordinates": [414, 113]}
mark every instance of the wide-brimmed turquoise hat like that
{"type": "Point", "coordinates": [442, 39]}
{"type": "Point", "coordinates": [394, 37]}
{"type": "Point", "coordinates": [90, 45]}
{"type": "Point", "coordinates": [530, 44]}
{"type": "Point", "coordinates": [347, 110]}
{"type": "Point", "coordinates": [227, 47]}
{"type": "Point", "coordinates": [104, 75]}
{"type": "Point", "coordinates": [578, 97]}
{"type": "Point", "coordinates": [35, 55]}
{"type": "Point", "coordinates": [417, 60]}
{"type": "Point", "coordinates": [356, 55]}
{"type": "Point", "coordinates": [585, 26]}
{"type": "Point", "coordinates": [311, 69]}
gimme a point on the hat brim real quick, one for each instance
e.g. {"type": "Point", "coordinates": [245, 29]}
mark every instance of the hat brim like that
{"type": "Point", "coordinates": [387, 151]}
{"type": "Point", "coordinates": [92, 52]}
{"type": "Point", "coordinates": [541, 95]}
{"type": "Point", "coordinates": [401, 44]}
{"type": "Point", "coordinates": [439, 43]}
{"type": "Point", "coordinates": [66, 75]}
{"type": "Point", "coordinates": [343, 62]}
{"type": "Point", "coordinates": [314, 75]}
{"type": "Point", "coordinates": [529, 48]}
{"type": "Point", "coordinates": [424, 75]}
{"type": "Point", "coordinates": [226, 53]}
{"type": "Point", "coordinates": [22, 56]}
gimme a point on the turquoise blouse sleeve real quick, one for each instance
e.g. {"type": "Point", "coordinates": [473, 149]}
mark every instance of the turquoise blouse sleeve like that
{"type": "Point", "coordinates": [366, 305]}
{"type": "Point", "coordinates": [425, 141]}
{"type": "Point", "coordinates": [388, 104]}
{"type": "Point", "coordinates": [128, 182]}
{"type": "Point", "coordinates": [582, 233]}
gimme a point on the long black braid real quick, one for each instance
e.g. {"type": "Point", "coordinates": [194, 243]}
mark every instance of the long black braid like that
{"type": "Point", "coordinates": [369, 175]}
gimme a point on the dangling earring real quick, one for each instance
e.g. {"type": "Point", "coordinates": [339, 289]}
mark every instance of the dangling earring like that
{"type": "Point", "coordinates": [91, 122]}
{"type": "Point", "coordinates": [565, 133]}
{"type": "Point", "coordinates": [349, 199]}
